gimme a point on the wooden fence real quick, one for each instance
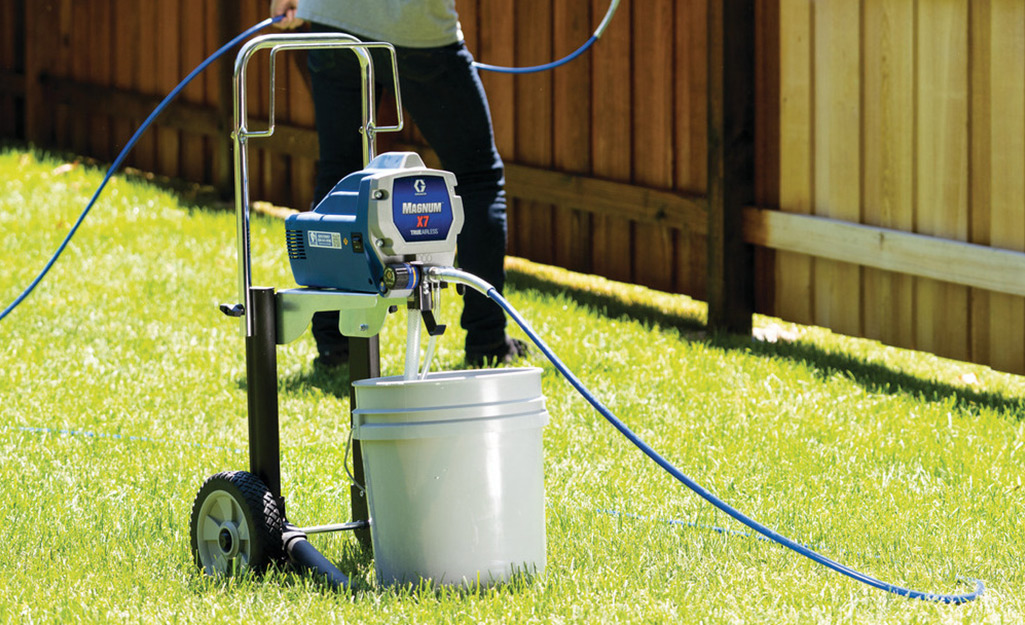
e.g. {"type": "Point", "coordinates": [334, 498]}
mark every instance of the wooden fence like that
{"type": "Point", "coordinates": [879, 145]}
{"type": "Point", "coordinates": [906, 115]}
{"type": "Point", "coordinates": [624, 127]}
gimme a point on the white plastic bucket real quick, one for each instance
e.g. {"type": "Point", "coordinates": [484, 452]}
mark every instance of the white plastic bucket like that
{"type": "Point", "coordinates": [454, 475]}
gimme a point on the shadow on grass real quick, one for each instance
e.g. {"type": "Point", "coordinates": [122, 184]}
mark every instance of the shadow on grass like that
{"type": "Point", "coordinates": [354, 561]}
{"type": "Point", "coordinates": [876, 377]}
{"type": "Point", "coordinates": [608, 305]}
{"type": "Point", "coordinates": [873, 376]}
{"type": "Point", "coordinates": [331, 381]}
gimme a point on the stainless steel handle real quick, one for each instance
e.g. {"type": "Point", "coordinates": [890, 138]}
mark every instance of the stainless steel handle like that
{"type": "Point", "coordinates": [241, 133]}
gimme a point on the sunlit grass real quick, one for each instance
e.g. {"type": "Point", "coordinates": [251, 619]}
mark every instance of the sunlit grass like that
{"type": "Point", "coordinates": [122, 388]}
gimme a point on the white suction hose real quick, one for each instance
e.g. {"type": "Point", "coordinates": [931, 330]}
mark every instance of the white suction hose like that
{"type": "Point", "coordinates": [412, 344]}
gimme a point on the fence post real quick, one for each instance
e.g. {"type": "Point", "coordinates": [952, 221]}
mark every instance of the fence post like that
{"type": "Point", "coordinates": [731, 136]}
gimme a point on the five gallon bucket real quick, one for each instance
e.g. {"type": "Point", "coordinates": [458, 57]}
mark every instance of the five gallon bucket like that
{"type": "Point", "coordinates": [454, 476]}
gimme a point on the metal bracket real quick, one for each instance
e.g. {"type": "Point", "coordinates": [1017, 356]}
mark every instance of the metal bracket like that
{"type": "Point", "coordinates": [359, 314]}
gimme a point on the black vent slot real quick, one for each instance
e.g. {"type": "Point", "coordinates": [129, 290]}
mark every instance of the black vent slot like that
{"type": "Point", "coordinates": [296, 241]}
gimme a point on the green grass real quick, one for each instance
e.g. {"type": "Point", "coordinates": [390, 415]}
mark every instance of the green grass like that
{"type": "Point", "coordinates": [900, 464]}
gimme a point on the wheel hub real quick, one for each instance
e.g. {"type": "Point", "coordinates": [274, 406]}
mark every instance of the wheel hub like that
{"type": "Point", "coordinates": [228, 540]}
{"type": "Point", "coordinates": [224, 540]}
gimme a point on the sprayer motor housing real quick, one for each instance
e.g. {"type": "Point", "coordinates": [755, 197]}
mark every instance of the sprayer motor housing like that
{"type": "Point", "coordinates": [395, 211]}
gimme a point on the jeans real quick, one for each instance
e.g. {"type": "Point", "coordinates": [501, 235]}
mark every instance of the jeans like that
{"type": "Point", "coordinates": [443, 94]}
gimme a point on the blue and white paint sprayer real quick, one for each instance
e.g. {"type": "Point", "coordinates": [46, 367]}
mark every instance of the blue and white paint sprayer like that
{"type": "Point", "coordinates": [448, 468]}
{"type": "Point", "coordinates": [447, 480]}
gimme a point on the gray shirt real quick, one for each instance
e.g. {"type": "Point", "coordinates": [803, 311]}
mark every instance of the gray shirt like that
{"type": "Point", "coordinates": [406, 23]}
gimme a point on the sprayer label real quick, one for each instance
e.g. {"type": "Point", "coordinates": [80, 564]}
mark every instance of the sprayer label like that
{"type": "Point", "coordinates": [422, 208]}
{"type": "Point", "coordinates": [330, 240]}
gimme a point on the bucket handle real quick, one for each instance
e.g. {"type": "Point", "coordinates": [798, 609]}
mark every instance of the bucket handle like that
{"type": "Point", "coordinates": [345, 463]}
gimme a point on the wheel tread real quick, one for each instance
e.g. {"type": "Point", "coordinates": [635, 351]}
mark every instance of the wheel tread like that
{"type": "Point", "coordinates": [261, 509]}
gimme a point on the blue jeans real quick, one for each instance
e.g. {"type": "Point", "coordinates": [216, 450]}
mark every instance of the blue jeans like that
{"type": "Point", "coordinates": [442, 92]}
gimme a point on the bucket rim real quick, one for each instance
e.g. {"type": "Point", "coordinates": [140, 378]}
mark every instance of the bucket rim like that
{"type": "Point", "coordinates": [450, 428]}
{"type": "Point", "coordinates": [436, 377]}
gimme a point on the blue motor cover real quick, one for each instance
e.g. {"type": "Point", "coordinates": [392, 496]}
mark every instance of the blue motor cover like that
{"type": "Point", "coordinates": [396, 210]}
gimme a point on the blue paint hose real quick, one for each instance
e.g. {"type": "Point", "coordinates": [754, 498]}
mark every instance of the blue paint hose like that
{"type": "Point", "coordinates": [566, 59]}
{"type": "Point", "coordinates": [447, 274]}
{"type": "Point", "coordinates": [128, 148]}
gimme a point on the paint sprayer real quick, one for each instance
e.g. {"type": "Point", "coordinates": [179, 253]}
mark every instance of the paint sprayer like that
{"type": "Point", "coordinates": [447, 465]}
{"type": "Point", "coordinates": [447, 483]}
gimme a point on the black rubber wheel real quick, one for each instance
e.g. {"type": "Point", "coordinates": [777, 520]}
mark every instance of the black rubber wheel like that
{"type": "Point", "coordinates": [236, 525]}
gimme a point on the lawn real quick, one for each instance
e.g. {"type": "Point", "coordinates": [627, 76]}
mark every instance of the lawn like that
{"type": "Point", "coordinates": [122, 388]}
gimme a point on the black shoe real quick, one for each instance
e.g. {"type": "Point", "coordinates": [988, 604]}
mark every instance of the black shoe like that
{"type": "Point", "coordinates": [331, 359]}
{"type": "Point", "coordinates": [504, 353]}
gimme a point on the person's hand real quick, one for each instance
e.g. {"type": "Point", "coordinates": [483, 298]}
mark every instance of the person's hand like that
{"type": "Point", "coordinates": [286, 8]}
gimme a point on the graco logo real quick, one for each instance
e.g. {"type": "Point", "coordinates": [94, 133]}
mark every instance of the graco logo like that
{"type": "Point", "coordinates": [419, 185]}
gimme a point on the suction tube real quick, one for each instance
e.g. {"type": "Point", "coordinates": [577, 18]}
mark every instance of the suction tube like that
{"type": "Point", "coordinates": [448, 274]}
{"type": "Point", "coordinates": [305, 556]}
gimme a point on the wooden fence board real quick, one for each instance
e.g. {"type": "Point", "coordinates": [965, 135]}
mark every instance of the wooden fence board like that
{"type": "Point", "coordinates": [258, 87]}
{"type": "Point", "coordinates": [837, 144]}
{"type": "Point", "coordinates": [303, 168]}
{"type": "Point", "coordinates": [571, 122]}
{"type": "Point", "coordinates": [279, 166]}
{"type": "Point", "coordinates": [1007, 313]}
{"type": "Point", "coordinates": [767, 111]}
{"type": "Point", "coordinates": [533, 235]}
{"type": "Point", "coordinates": [216, 155]}
{"type": "Point", "coordinates": [100, 34]}
{"type": "Point", "coordinates": [794, 287]}
{"type": "Point", "coordinates": [613, 250]}
{"type": "Point", "coordinates": [227, 18]}
{"type": "Point", "coordinates": [194, 164]}
{"type": "Point", "coordinates": [691, 87]}
{"type": "Point", "coordinates": [169, 34]}
{"type": "Point", "coordinates": [124, 70]}
{"type": "Point", "coordinates": [60, 66]}
{"type": "Point", "coordinates": [888, 47]}
{"type": "Point", "coordinates": [77, 67]}
{"type": "Point", "coordinates": [469, 21]}
{"type": "Point", "coordinates": [691, 135]}
{"type": "Point", "coordinates": [146, 81]}
{"type": "Point", "coordinates": [979, 165]}
{"type": "Point", "coordinates": [652, 143]}
{"type": "Point", "coordinates": [40, 50]}
{"type": "Point", "coordinates": [941, 176]}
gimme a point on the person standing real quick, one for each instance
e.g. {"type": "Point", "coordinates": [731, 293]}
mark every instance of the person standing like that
{"type": "Point", "coordinates": [443, 93]}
